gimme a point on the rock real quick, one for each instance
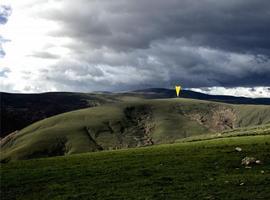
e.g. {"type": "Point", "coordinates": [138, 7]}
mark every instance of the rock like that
{"type": "Point", "coordinates": [248, 161]}
{"type": "Point", "coordinates": [238, 149]}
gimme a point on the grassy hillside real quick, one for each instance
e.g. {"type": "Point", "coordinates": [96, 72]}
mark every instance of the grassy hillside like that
{"type": "Point", "coordinates": [194, 170]}
{"type": "Point", "coordinates": [132, 123]}
{"type": "Point", "coordinates": [21, 110]}
{"type": "Point", "coordinates": [246, 131]}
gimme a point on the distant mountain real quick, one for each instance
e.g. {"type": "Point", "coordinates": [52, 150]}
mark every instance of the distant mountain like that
{"type": "Point", "coordinates": [21, 110]}
{"type": "Point", "coordinates": [168, 93]}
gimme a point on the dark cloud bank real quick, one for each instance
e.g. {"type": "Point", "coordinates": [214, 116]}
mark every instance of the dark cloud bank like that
{"type": "Point", "coordinates": [125, 44]}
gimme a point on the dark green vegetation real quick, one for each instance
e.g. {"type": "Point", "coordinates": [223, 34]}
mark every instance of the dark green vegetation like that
{"type": "Point", "coordinates": [131, 123]}
{"type": "Point", "coordinates": [21, 110]}
{"type": "Point", "coordinates": [201, 164]}
{"type": "Point", "coordinates": [208, 169]}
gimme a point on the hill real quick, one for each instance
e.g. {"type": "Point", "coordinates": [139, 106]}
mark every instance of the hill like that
{"type": "Point", "coordinates": [154, 93]}
{"type": "Point", "coordinates": [208, 169]}
{"type": "Point", "coordinates": [128, 124]}
{"type": "Point", "coordinates": [21, 110]}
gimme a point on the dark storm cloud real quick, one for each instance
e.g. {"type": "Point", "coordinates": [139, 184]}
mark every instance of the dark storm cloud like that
{"type": "Point", "coordinates": [242, 25]}
{"type": "Point", "coordinates": [164, 64]}
{"type": "Point", "coordinates": [199, 43]}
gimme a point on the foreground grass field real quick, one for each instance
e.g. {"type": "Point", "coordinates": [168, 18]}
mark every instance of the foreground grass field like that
{"type": "Point", "coordinates": [209, 169]}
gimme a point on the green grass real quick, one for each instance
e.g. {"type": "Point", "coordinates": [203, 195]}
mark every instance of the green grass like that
{"type": "Point", "coordinates": [126, 124]}
{"type": "Point", "coordinates": [247, 131]}
{"type": "Point", "coordinates": [208, 169]}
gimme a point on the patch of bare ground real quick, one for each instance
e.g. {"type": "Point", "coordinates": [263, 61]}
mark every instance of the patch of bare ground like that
{"type": "Point", "coordinates": [215, 118]}
{"type": "Point", "coordinates": [133, 130]}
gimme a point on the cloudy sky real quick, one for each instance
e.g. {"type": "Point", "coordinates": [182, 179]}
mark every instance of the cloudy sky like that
{"type": "Point", "coordinates": [214, 46]}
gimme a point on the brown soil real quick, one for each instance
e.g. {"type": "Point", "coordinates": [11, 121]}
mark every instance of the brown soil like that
{"type": "Point", "coordinates": [218, 118]}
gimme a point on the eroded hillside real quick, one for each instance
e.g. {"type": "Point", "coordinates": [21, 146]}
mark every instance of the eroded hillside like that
{"type": "Point", "coordinates": [128, 124]}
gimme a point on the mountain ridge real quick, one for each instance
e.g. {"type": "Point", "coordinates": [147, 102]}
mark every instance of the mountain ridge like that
{"type": "Point", "coordinates": [170, 93]}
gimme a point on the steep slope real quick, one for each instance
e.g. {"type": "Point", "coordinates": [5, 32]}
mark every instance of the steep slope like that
{"type": "Point", "coordinates": [128, 124]}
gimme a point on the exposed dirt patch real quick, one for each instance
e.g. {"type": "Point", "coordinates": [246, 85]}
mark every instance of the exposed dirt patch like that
{"type": "Point", "coordinates": [215, 118]}
{"type": "Point", "coordinates": [8, 140]}
{"type": "Point", "coordinates": [140, 120]}
{"type": "Point", "coordinates": [133, 130]}
{"type": "Point", "coordinates": [92, 140]}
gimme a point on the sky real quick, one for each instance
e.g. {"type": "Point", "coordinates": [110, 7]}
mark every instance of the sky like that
{"type": "Point", "coordinates": [210, 46]}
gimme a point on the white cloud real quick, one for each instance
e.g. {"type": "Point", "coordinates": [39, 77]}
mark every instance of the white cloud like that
{"type": "Point", "coordinates": [254, 92]}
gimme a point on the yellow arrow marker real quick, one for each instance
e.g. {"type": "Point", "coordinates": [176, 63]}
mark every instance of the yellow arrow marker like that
{"type": "Point", "coordinates": [177, 89]}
